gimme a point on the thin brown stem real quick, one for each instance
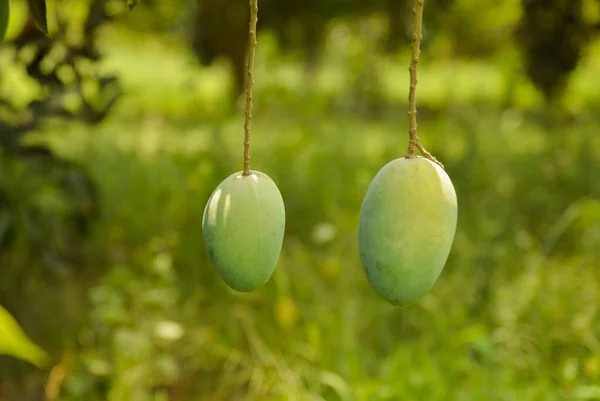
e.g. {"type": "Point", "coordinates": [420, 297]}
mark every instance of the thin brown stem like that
{"type": "Point", "coordinates": [414, 61]}
{"type": "Point", "coordinates": [250, 83]}
{"type": "Point", "coordinates": [413, 141]}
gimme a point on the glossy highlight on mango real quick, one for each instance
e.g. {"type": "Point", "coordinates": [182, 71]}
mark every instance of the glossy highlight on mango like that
{"type": "Point", "coordinates": [243, 228]}
{"type": "Point", "coordinates": [407, 225]}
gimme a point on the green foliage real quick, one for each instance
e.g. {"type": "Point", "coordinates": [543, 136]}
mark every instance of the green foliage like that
{"type": "Point", "coordinates": [38, 12]}
{"type": "Point", "coordinates": [46, 210]}
{"type": "Point", "coordinates": [514, 316]}
{"type": "Point", "coordinates": [547, 37]}
{"type": "Point", "coordinates": [553, 38]}
{"type": "Point", "coordinates": [14, 342]}
{"type": "Point", "coordinates": [4, 17]}
{"type": "Point", "coordinates": [47, 207]}
{"type": "Point", "coordinates": [508, 314]}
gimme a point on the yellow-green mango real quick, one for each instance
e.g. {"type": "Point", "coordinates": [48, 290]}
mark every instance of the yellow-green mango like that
{"type": "Point", "coordinates": [406, 229]}
{"type": "Point", "coordinates": [243, 227]}
{"type": "Point", "coordinates": [4, 17]}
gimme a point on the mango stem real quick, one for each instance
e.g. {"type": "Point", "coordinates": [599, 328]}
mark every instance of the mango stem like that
{"type": "Point", "coordinates": [250, 82]}
{"type": "Point", "coordinates": [413, 141]}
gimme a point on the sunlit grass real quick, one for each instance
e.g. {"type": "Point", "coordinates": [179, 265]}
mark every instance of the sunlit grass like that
{"type": "Point", "coordinates": [513, 317]}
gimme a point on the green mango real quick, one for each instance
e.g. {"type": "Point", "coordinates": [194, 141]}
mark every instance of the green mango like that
{"type": "Point", "coordinates": [243, 227]}
{"type": "Point", "coordinates": [4, 17]}
{"type": "Point", "coordinates": [406, 229]}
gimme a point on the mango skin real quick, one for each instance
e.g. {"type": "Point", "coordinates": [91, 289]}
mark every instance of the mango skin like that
{"type": "Point", "coordinates": [406, 229]}
{"type": "Point", "coordinates": [243, 228]}
{"type": "Point", "coordinates": [4, 17]}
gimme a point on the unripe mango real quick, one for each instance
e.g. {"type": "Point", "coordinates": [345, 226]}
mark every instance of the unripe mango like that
{"type": "Point", "coordinates": [407, 225]}
{"type": "Point", "coordinates": [4, 17]}
{"type": "Point", "coordinates": [243, 227]}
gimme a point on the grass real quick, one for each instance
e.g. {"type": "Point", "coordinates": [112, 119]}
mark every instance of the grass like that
{"type": "Point", "coordinates": [513, 317]}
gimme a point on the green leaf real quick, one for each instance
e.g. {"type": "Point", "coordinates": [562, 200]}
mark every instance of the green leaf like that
{"type": "Point", "coordinates": [336, 383]}
{"type": "Point", "coordinates": [37, 8]}
{"type": "Point", "coordinates": [4, 17]}
{"type": "Point", "coordinates": [14, 342]}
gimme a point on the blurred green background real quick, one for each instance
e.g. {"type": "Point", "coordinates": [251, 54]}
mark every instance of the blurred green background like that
{"type": "Point", "coordinates": [114, 133]}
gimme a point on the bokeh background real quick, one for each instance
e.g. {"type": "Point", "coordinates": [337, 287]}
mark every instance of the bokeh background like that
{"type": "Point", "coordinates": [114, 134]}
